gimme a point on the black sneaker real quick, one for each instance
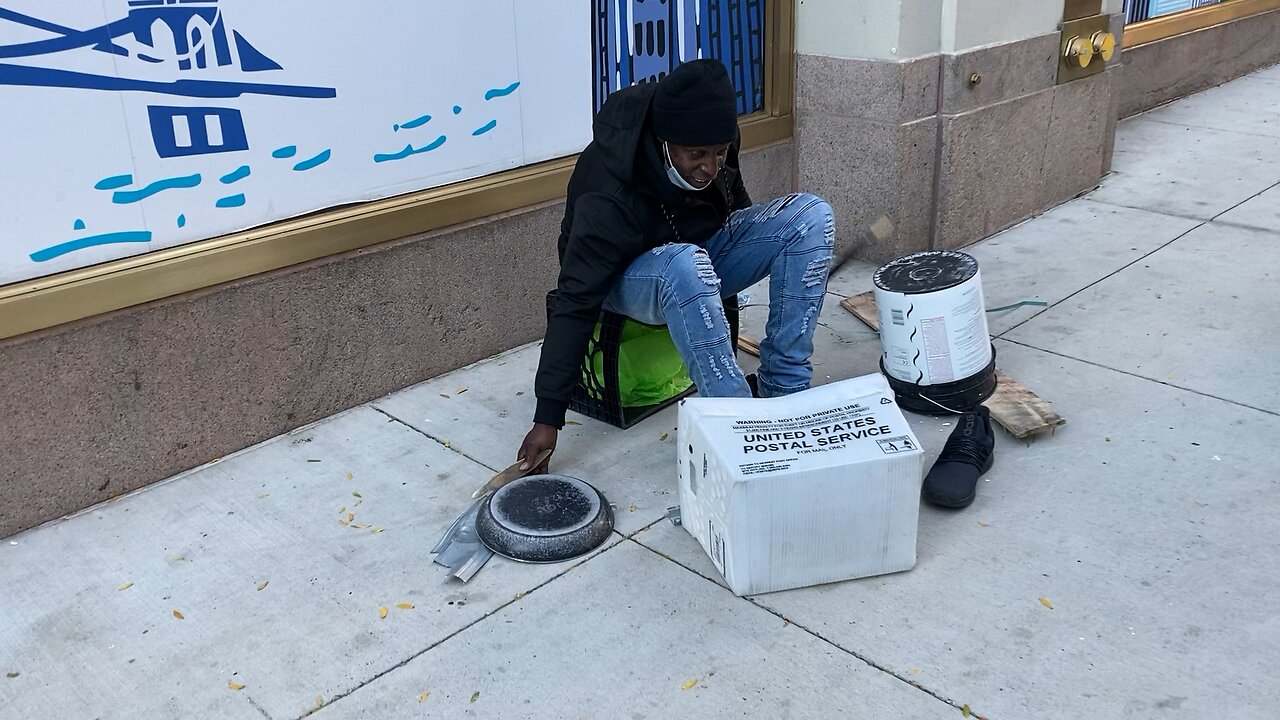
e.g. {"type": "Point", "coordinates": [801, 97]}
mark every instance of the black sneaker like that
{"type": "Point", "coordinates": [953, 480]}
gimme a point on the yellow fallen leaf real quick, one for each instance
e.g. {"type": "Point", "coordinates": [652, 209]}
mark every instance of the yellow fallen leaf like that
{"type": "Point", "coordinates": [351, 476]}
{"type": "Point", "coordinates": [983, 523]}
{"type": "Point", "coordinates": [572, 422]}
{"type": "Point", "coordinates": [664, 437]}
{"type": "Point", "coordinates": [262, 584]}
{"type": "Point", "coordinates": [475, 696]}
{"type": "Point", "coordinates": [965, 711]}
{"type": "Point", "coordinates": [179, 615]}
{"type": "Point", "coordinates": [320, 701]}
{"type": "Point", "coordinates": [520, 595]}
{"type": "Point", "coordinates": [405, 606]}
{"type": "Point", "coordinates": [422, 696]}
{"type": "Point", "coordinates": [446, 397]}
{"type": "Point", "coordinates": [382, 612]}
{"type": "Point", "coordinates": [344, 522]}
{"type": "Point", "coordinates": [912, 672]}
{"type": "Point", "coordinates": [689, 683]}
{"type": "Point", "coordinates": [447, 444]}
{"type": "Point", "coordinates": [235, 685]}
{"type": "Point", "coordinates": [125, 586]}
{"type": "Point", "coordinates": [459, 391]}
{"type": "Point", "coordinates": [342, 509]}
{"type": "Point", "coordinates": [356, 493]}
{"type": "Point", "coordinates": [351, 517]}
{"type": "Point", "coordinates": [361, 526]}
{"type": "Point", "coordinates": [631, 507]}
{"type": "Point", "coordinates": [377, 530]}
{"type": "Point", "coordinates": [1045, 602]}
{"type": "Point", "coordinates": [263, 496]}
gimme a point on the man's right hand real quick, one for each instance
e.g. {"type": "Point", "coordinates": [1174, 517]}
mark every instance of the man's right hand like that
{"type": "Point", "coordinates": [540, 439]}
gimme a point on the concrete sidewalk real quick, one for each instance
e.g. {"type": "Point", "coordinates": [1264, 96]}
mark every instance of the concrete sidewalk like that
{"type": "Point", "coordinates": [1150, 522]}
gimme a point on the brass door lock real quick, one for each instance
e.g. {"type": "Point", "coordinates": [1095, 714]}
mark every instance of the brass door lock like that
{"type": "Point", "coordinates": [1079, 52]}
{"type": "Point", "coordinates": [1104, 45]}
{"type": "Point", "coordinates": [1085, 46]}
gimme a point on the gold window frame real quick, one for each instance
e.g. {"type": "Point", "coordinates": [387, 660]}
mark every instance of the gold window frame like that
{"type": "Point", "coordinates": [1167, 26]}
{"type": "Point", "coordinates": [52, 300]}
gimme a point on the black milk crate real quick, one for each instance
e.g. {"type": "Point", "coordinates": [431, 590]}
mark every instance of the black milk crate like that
{"type": "Point", "coordinates": [602, 402]}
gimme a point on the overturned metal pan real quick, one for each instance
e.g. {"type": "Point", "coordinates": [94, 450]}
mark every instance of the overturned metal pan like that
{"type": "Point", "coordinates": [545, 519]}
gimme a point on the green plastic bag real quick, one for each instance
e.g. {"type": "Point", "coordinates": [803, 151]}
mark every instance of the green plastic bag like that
{"type": "Point", "coordinates": [650, 369]}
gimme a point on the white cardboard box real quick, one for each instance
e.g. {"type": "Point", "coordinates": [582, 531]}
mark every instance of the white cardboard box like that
{"type": "Point", "coordinates": [811, 488]}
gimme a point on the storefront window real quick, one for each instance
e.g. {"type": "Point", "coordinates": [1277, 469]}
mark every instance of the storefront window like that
{"type": "Point", "coordinates": [1139, 10]}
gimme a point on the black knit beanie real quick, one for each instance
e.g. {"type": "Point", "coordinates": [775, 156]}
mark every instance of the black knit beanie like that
{"type": "Point", "coordinates": [695, 105]}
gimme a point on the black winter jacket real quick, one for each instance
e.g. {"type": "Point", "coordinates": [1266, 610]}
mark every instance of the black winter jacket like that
{"type": "Point", "coordinates": [620, 205]}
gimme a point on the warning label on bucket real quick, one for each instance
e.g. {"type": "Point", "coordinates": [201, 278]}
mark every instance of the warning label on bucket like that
{"type": "Point", "coordinates": [937, 351]}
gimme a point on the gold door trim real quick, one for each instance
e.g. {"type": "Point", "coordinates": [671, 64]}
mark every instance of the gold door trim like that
{"type": "Point", "coordinates": [1167, 26]}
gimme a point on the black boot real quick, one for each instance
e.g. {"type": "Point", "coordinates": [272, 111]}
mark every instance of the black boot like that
{"type": "Point", "coordinates": [953, 480]}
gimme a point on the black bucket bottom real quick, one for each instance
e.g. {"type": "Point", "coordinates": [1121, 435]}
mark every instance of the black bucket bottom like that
{"type": "Point", "coordinates": [945, 398]}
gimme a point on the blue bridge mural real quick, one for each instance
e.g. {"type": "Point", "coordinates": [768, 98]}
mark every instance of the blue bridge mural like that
{"type": "Point", "coordinates": [189, 36]}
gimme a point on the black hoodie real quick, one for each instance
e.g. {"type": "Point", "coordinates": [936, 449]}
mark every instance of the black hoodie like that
{"type": "Point", "coordinates": [620, 205]}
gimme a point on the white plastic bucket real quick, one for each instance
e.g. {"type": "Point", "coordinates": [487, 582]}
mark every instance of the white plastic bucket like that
{"type": "Point", "coordinates": [933, 323]}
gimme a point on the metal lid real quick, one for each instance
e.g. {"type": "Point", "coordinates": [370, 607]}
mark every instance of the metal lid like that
{"type": "Point", "coordinates": [926, 272]}
{"type": "Point", "coordinates": [545, 505]}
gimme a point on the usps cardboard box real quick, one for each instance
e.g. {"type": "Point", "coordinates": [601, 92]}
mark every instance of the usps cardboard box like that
{"type": "Point", "coordinates": [812, 488]}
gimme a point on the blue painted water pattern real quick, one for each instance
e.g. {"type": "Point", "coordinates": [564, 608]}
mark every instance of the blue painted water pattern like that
{"type": "Point", "coordinates": [128, 236]}
{"type": "Point", "coordinates": [122, 197]}
{"type": "Point", "coordinates": [409, 150]}
{"type": "Point", "coordinates": [501, 92]}
{"type": "Point", "coordinates": [384, 157]}
{"type": "Point", "coordinates": [239, 173]}
{"type": "Point", "coordinates": [231, 201]}
{"type": "Point", "coordinates": [287, 151]}
{"type": "Point", "coordinates": [485, 128]}
{"type": "Point", "coordinates": [182, 221]}
{"type": "Point", "coordinates": [113, 182]}
{"type": "Point", "coordinates": [320, 159]}
{"type": "Point", "coordinates": [79, 224]}
{"type": "Point", "coordinates": [416, 122]}
{"type": "Point", "coordinates": [457, 109]}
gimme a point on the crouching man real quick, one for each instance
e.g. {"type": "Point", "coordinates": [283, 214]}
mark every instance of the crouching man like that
{"type": "Point", "coordinates": [658, 227]}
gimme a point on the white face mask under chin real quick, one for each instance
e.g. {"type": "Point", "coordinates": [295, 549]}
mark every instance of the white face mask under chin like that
{"type": "Point", "coordinates": [675, 177]}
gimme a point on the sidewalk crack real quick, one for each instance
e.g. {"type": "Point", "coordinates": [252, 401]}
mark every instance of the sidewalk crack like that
{"type": "Point", "coordinates": [257, 707]}
{"type": "Point", "coordinates": [433, 438]}
{"type": "Point", "coordinates": [868, 661]}
{"type": "Point", "coordinates": [1193, 391]}
{"type": "Point", "coordinates": [1199, 224]}
{"type": "Point", "coordinates": [414, 656]}
{"type": "Point", "coordinates": [1208, 127]}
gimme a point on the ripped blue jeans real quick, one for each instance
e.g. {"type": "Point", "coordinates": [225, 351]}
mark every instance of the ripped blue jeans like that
{"type": "Point", "coordinates": [679, 285]}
